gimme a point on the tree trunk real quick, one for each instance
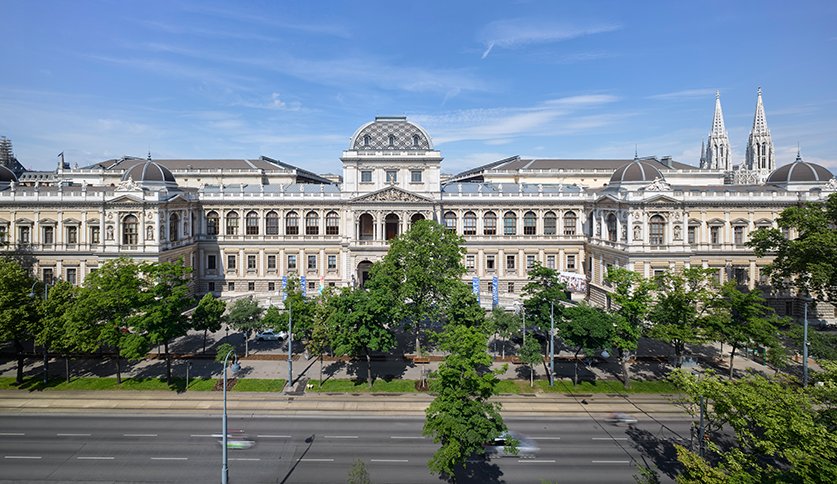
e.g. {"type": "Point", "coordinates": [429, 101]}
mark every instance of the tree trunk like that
{"type": "Point", "coordinates": [531, 376]}
{"type": "Point", "coordinates": [204, 340]}
{"type": "Point", "coordinates": [67, 367]}
{"type": "Point", "coordinates": [247, 345]}
{"type": "Point", "coordinates": [19, 350]}
{"type": "Point", "coordinates": [118, 369]}
{"type": "Point", "coordinates": [418, 341]}
{"type": "Point", "coordinates": [46, 364]}
{"type": "Point", "coordinates": [168, 363]}
{"type": "Point", "coordinates": [503, 348]}
{"type": "Point", "coordinates": [575, 368]}
{"type": "Point", "coordinates": [731, 356]}
{"type": "Point", "coordinates": [321, 371]}
{"type": "Point", "coordinates": [626, 377]}
{"type": "Point", "coordinates": [678, 354]}
{"type": "Point", "coordinates": [369, 369]}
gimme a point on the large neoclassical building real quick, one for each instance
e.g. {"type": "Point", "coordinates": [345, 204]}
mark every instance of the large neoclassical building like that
{"type": "Point", "coordinates": [244, 224]}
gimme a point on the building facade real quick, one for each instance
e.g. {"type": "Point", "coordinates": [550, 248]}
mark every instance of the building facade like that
{"type": "Point", "coordinates": [243, 225]}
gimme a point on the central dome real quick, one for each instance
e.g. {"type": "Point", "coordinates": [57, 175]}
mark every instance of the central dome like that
{"type": "Point", "coordinates": [7, 175]}
{"type": "Point", "coordinates": [149, 173]}
{"type": "Point", "coordinates": [391, 133]}
{"type": "Point", "coordinates": [636, 171]}
{"type": "Point", "coordinates": [800, 172]}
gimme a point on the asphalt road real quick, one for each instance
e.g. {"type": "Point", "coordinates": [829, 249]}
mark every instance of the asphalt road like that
{"type": "Point", "coordinates": [83, 448]}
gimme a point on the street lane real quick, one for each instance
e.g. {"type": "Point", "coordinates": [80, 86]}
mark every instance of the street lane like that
{"type": "Point", "coordinates": [310, 449]}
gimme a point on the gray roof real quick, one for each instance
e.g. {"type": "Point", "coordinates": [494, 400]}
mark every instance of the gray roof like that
{"type": "Point", "coordinates": [256, 188]}
{"type": "Point", "coordinates": [473, 187]}
{"type": "Point", "coordinates": [553, 164]}
{"type": "Point", "coordinates": [800, 172]}
{"type": "Point", "coordinates": [7, 175]}
{"type": "Point", "coordinates": [149, 172]}
{"type": "Point", "coordinates": [636, 171]}
{"type": "Point", "coordinates": [391, 133]}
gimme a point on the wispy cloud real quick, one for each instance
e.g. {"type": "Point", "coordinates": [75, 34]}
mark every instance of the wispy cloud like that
{"type": "Point", "coordinates": [685, 94]}
{"type": "Point", "coordinates": [515, 33]}
{"type": "Point", "coordinates": [237, 15]}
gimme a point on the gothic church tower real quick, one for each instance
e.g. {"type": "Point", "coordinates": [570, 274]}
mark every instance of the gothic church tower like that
{"type": "Point", "coordinates": [760, 152]}
{"type": "Point", "coordinates": [717, 155]}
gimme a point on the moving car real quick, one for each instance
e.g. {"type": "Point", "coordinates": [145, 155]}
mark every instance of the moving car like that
{"type": "Point", "coordinates": [619, 417]}
{"type": "Point", "coordinates": [526, 447]}
{"type": "Point", "coordinates": [271, 335]}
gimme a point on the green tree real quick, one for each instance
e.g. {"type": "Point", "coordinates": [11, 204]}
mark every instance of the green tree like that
{"type": "Point", "coordinates": [208, 315]}
{"type": "Point", "coordinates": [18, 318]}
{"type": "Point", "coordinates": [633, 296]}
{"type": "Point", "coordinates": [245, 316]}
{"type": "Point", "coordinates": [359, 321]}
{"type": "Point", "coordinates": [530, 355]}
{"type": "Point", "coordinates": [544, 293]}
{"type": "Point", "coordinates": [745, 321]}
{"type": "Point", "coordinates": [588, 329]}
{"type": "Point", "coordinates": [110, 297]}
{"type": "Point", "coordinates": [806, 261]}
{"type": "Point", "coordinates": [461, 418]}
{"type": "Point", "coordinates": [504, 324]}
{"type": "Point", "coordinates": [52, 334]}
{"type": "Point", "coordinates": [685, 301]}
{"type": "Point", "coordinates": [463, 308]}
{"type": "Point", "coordinates": [321, 333]}
{"type": "Point", "coordinates": [302, 309]}
{"type": "Point", "coordinates": [222, 351]}
{"type": "Point", "coordinates": [417, 272]}
{"type": "Point", "coordinates": [777, 437]}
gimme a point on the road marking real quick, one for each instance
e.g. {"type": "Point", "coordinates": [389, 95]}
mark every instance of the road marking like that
{"type": "Point", "coordinates": [610, 462]}
{"type": "Point", "coordinates": [169, 458]}
{"type": "Point", "coordinates": [340, 436]}
{"type": "Point", "coordinates": [406, 437]}
{"type": "Point", "coordinates": [537, 461]}
{"type": "Point", "coordinates": [546, 438]}
{"type": "Point", "coordinates": [139, 435]}
{"type": "Point", "coordinates": [22, 457]}
{"type": "Point", "coordinates": [244, 458]}
{"type": "Point", "coordinates": [274, 436]}
{"type": "Point", "coordinates": [206, 435]}
{"type": "Point", "coordinates": [11, 433]}
{"type": "Point", "coordinates": [95, 458]}
{"type": "Point", "coordinates": [73, 435]}
{"type": "Point", "coordinates": [610, 438]}
{"type": "Point", "coordinates": [388, 460]}
{"type": "Point", "coordinates": [317, 460]}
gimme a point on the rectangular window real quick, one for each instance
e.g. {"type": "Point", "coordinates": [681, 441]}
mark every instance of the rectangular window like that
{"type": "Point", "coordinates": [692, 232]}
{"type": "Point", "coordinates": [49, 235]}
{"type": "Point", "coordinates": [291, 262]}
{"type": "Point", "coordinates": [95, 234]}
{"type": "Point", "coordinates": [392, 176]}
{"type": "Point", "coordinates": [786, 232]}
{"type": "Point", "coordinates": [509, 225]}
{"type": "Point", "coordinates": [71, 275]}
{"type": "Point", "coordinates": [510, 262]}
{"type": "Point", "coordinates": [530, 261]}
{"type": "Point", "coordinates": [4, 233]}
{"type": "Point", "coordinates": [48, 275]}
{"type": "Point", "coordinates": [211, 262]}
{"type": "Point", "coordinates": [332, 262]}
{"type": "Point", "coordinates": [211, 286]}
{"type": "Point", "coordinates": [251, 262]}
{"type": "Point", "coordinates": [231, 286]}
{"type": "Point", "coordinates": [788, 308]}
{"type": "Point", "coordinates": [470, 262]}
{"type": "Point", "coordinates": [738, 234]}
{"type": "Point", "coordinates": [740, 275]}
{"type": "Point", "coordinates": [72, 235]}
{"type": "Point", "coordinates": [550, 261]}
{"type": "Point", "coordinates": [489, 225]}
{"type": "Point", "coordinates": [231, 262]}
{"type": "Point", "coordinates": [415, 176]}
{"type": "Point", "coordinates": [312, 262]}
{"type": "Point", "coordinates": [469, 225]}
{"type": "Point", "coordinates": [251, 286]}
{"type": "Point", "coordinates": [271, 262]}
{"type": "Point", "coordinates": [715, 235]}
{"type": "Point", "coordinates": [366, 176]}
{"type": "Point", "coordinates": [271, 286]}
{"type": "Point", "coordinates": [312, 286]}
{"type": "Point", "coordinates": [489, 262]}
{"type": "Point", "coordinates": [23, 234]}
{"type": "Point", "coordinates": [571, 262]}
{"type": "Point", "coordinates": [511, 287]}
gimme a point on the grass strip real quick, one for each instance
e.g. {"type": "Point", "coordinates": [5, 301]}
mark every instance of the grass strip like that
{"type": "Point", "coordinates": [355, 386]}
{"type": "Point", "coordinates": [258, 385]}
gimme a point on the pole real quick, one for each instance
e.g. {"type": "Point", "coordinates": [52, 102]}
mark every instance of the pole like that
{"type": "Point", "coordinates": [290, 346]}
{"type": "Point", "coordinates": [524, 324]}
{"type": "Point", "coordinates": [805, 347]}
{"type": "Point", "coordinates": [701, 430]}
{"type": "Point", "coordinates": [46, 349]}
{"type": "Point", "coordinates": [224, 469]}
{"type": "Point", "coordinates": [551, 343]}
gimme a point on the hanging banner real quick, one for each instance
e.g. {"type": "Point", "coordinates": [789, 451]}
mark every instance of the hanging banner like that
{"type": "Point", "coordinates": [322, 286]}
{"type": "Point", "coordinates": [284, 287]}
{"type": "Point", "coordinates": [475, 286]}
{"type": "Point", "coordinates": [495, 291]}
{"type": "Point", "coordinates": [303, 286]}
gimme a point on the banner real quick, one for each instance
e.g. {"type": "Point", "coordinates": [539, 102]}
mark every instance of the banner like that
{"type": "Point", "coordinates": [322, 286]}
{"type": "Point", "coordinates": [284, 287]}
{"type": "Point", "coordinates": [495, 292]}
{"type": "Point", "coordinates": [303, 286]}
{"type": "Point", "coordinates": [475, 286]}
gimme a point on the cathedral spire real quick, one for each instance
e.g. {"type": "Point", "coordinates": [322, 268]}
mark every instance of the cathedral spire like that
{"type": "Point", "coordinates": [760, 151]}
{"type": "Point", "coordinates": [717, 149]}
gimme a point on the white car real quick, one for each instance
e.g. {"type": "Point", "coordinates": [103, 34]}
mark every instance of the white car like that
{"type": "Point", "coordinates": [526, 447]}
{"type": "Point", "coordinates": [271, 335]}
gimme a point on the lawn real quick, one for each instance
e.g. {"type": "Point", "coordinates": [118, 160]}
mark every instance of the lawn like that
{"type": "Point", "coordinates": [94, 383]}
{"type": "Point", "coordinates": [354, 386]}
{"type": "Point", "coordinates": [256, 385]}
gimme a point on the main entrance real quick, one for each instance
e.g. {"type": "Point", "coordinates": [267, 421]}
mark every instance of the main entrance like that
{"type": "Point", "coordinates": [363, 272]}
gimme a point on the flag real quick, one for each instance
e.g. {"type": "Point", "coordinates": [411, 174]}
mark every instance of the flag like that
{"type": "Point", "coordinates": [475, 286]}
{"type": "Point", "coordinates": [284, 288]}
{"type": "Point", "coordinates": [495, 291]}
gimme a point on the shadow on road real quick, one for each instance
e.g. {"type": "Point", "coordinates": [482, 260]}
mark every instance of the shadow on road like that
{"type": "Point", "coordinates": [310, 442]}
{"type": "Point", "coordinates": [477, 470]}
{"type": "Point", "coordinates": [657, 449]}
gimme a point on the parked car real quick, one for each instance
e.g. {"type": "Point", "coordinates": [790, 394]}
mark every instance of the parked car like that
{"type": "Point", "coordinates": [526, 447]}
{"type": "Point", "coordinates": [271, 335]}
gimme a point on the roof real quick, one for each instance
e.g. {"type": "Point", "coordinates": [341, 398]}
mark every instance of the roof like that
{"type": "Point", "coordinates": [391, 133]}
{"type": "Point", "coordinates": [473, 187]}
{"type": "Point", "coordinates": [7, 175]}
{"type": "Point", "coordinates": [800, 172]}
{"type": "Point", "coordinates": [636, 171]}
{"type": "Point", "coordinates": [554, 164]}
{"type": "Point", "coordinates": [149, 172]}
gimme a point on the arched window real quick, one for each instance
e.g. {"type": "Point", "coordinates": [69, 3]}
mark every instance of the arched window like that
{"type": "Point", "coordinates": [570, 220]}
{"type": "Point", "coordinates": [656, 230]}
{"type": "Point", "coordinates": [415, 218]}
{"type": "Point", "coordinates": [332, 223]}
{"type": "Point", "coordinates": [450, 221]}
{"type": "Point", "coordinates": [510, 223]}
{"type": "Point", "coordinates": [292, 223]}
{"type": "Point", "coordinates": [611, 228]}
{"type": "Point", "coordinates": [366, 140]}
{"type": "Point", "coordinates": [251, 221]}
{"type": "Point", "coordinates": [312, 223]}
{"type": "Point", "coordinates": [550, 223]}
{"type": "Point", "coordinates": [416, 140]}
{"type": "Point", "coordinates": [391, 140]}
{"type": "Point", "coordinates": [391, 226]}
{"type": "Point", "coordinates": [489, 223]}
{"type": "Point", "coordinates": [366, 227]}
{"type": "Point", "coordinates": [530, 221]}
{"type": "Point", "coordinates": [174, 222]}
{"type": "Point", "coordinates": [130, 230]}
{"type": "Point", "coordinates": [232, 223]}
{"type": "Point", "coordinates": [469, 223]}
{"type": "Point", "coordinates": [212, 223]}
{"type": "Point", "coordinates": [271, 223]}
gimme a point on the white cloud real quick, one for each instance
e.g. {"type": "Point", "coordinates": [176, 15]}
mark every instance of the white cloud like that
{"type": "Point", "coordinates": [685, 94]}
{"type": "Point", "coordinates": [514, 33]}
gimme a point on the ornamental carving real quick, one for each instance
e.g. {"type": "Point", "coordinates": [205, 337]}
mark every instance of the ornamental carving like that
{"type": "Point", "coordinates": [127, 186]}
{"type": "Point", "coordinates": [390, 195]}
{"type": "Point", "coordinates": [637, 232]}
{"type": "Point", "coordinates": [658, 185]}
{"type": "Point", "coordinates": [831, 184]}
{"type": "Point", "coordinates": [149, 232]}
{"type": "Point", "coordinates": [677, 232]}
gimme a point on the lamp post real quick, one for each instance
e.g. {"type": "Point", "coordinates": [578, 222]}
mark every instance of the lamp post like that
{"type": "Point", "coordinates": [224, 467]}
{"type": "Point", "coordinates": [805, 346]}
{"type": "Point", "coordinates": [290, 346]}
{"type": "Point", "coordinates": [551, 343]}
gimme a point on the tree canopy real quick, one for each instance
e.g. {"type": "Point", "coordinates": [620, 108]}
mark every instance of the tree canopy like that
{"type": "Point", "coordinates": [208, 315]}
{"type": "Point", "coordinates": [543, 292]}
{"type": "Point", "coordinates": [633, 295]}
{"type": "Point", "coordinates": [18, 318]}
{"type": "Point", "coordinates": [586, 328]}
{"type": "Point", "coordinates": [245, 316]}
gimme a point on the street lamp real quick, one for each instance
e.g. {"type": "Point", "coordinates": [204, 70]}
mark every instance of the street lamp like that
{"type": "Point", "coordinates": [805, 345]}
{"type": "Point", "coordinates": [290, 347]}
{"type": "Point", "coordinates": [224, 467]}
{"type": "Point", "coordinates": [551, 343]}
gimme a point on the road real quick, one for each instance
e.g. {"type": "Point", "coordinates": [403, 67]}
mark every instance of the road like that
{"type": "Point", "coordinates": [86, 448]}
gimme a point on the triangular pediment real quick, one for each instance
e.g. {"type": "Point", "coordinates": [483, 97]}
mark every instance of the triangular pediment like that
{"type": "Point", "coordinates": [126, 199]}
{"type": "Point", "coordinates": [661, 199]}
{"type": "Point", "coordinates": [608, 200]}
{"type": "Point", "coordinates": [392, 194]}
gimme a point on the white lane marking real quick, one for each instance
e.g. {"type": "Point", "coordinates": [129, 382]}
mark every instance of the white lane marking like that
{"type": "Point", "coordinates": [610, 462]}
{"type": "Point", "coordinates": [22, 457]}
{"type": "Point", "coordinates": [406, 437]}
{"type": "Point", "coordinates": [274, 436]}
{"type": "Point", "coordinates": [11, 433]}
{"type": "Point", "coordinates": [205, 435]}
{"type": "Point", "coordinates": [388, 460]}
{"type": "Point", "coordinates": [243, 458]}
{"type": "Point", "coordinates": [537, 461]}
{"type": "Point", "coordinates": [139, 435]}
{"type": "Point", "coordinates": [95, 458]}
{"type": "Point", "coordinates": [340, 436]}
{"type": "Point", "coordinates": [610, 438]}
{"type": "Point", "coordinates": [317, 460]}
{"type": "Point", "coordinates": [169, 458]}
{"type": "Point", "coordinates": [546, 438]}
{"type": "Point", "coordinates": [73, 435]}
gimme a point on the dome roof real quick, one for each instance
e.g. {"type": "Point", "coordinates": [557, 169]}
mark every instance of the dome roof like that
{"type": "Point", "coordinates": [391, 133]}
{"type": "Point", "coordinates": [149, 172]}
{"type": "Point", "coordinates": [7, 175]}
{"type": "Point", "coordinates": [637, 171]}
{"type": "Point", "coordinates": [800, 172]}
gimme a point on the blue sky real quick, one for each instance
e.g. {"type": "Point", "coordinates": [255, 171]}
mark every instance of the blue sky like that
{"type": "Point", "coordinates": [488, 80]}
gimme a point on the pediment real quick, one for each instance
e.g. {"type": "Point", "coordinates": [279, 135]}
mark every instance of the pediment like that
{"type": "Point", "coordinates": [608, 200]}
{"type": "Point", "coordinates": [125, 199]}
{"type": "Point", "coordinates": [661, 200]}
{"type": "Point", "coordinates": [391, 194]}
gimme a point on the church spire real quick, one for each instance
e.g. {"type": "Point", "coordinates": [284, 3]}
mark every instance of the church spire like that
{"type": "Point", "coordinates": [717, 149]}
{"type": "Point", "coordinates": [760, 151]}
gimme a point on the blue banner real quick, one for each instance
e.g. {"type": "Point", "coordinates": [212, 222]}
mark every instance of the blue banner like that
{"type": "Point", "coordinates": [284, 287]}
{"type": "Point", "coordinates": [475, 286]}
{"type": "Point", "coordinates": [495, 291]}
{"type": "Point", "coordinates": [303, 286]}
